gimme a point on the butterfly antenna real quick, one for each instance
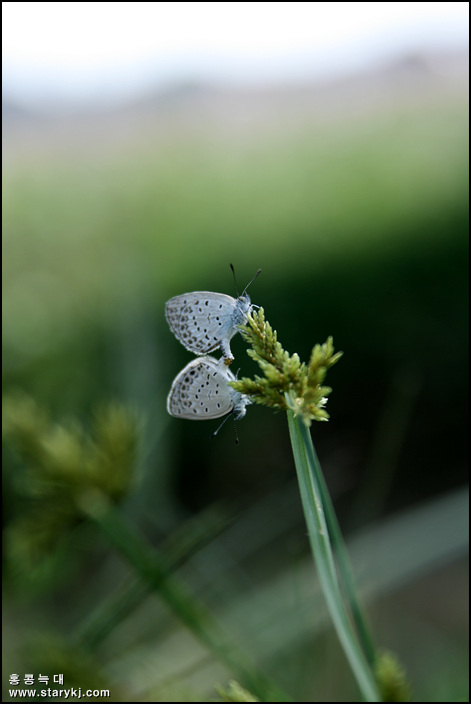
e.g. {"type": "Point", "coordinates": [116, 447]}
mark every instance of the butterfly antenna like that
{"type": "Point", "coordinates": [219, 427]}
{"type": "Point", "coordinates": [235, 433]}
{"type": "Point", "coordinates": [235, 282]}
{"type": "Point", "coordinates": [251, 281]}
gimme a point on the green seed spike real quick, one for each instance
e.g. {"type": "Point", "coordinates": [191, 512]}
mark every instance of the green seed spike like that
{"type": "Point", "coordinates": [287, 383]}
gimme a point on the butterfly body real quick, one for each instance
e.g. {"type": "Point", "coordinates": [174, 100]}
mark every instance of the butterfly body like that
{"type": "Point", "coordinates": [203, 321]}
{"type": "Point", "coordinates": [201, 392]}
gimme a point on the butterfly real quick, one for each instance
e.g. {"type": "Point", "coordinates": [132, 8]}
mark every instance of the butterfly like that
{"type": "Point", "coordinates": [201, 392]}
{"type": "Point", "coordinates": [204, 321]}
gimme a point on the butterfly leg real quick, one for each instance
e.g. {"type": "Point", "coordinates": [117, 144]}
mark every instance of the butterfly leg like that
{"type": "Point", "coordinates": [226, 352]}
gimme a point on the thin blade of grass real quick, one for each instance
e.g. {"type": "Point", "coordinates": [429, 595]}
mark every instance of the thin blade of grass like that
{"type": "Point", "coordinates": [343, 560]}
{"type": "Point", "coordinates": [153, 571]}
{"type": "Point", "coordinates": [311, 496]}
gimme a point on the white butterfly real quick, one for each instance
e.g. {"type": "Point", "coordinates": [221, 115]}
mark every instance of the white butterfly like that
{"type": "Point", "coordinates": [204, 321]}
{"type": "Point", "coordinates": [200, 392]}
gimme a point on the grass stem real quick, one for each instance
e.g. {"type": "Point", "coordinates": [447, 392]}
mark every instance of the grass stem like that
{"type": "Point", "coordinates": [313, 495]}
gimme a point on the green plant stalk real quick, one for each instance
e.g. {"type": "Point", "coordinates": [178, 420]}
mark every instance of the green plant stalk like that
{"type": "Point", "coordinates": [129, 595]}
{"type": "Point", "coordinates": [108, 615]}
{"type": "Point", "coordinates": [311, 495]}
{"type": "Point", "coordinates": [153, 570]}
{"type": "Point", "coordinates": [343, 561]}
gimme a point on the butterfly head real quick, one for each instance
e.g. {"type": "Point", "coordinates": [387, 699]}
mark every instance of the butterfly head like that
{"type": "Point", "coordinates": [240, 406]}
{"type": "Point", "coordinates": [244, 303]}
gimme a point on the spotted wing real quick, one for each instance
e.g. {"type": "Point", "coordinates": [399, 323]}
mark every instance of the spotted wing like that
{"type": "Point", "coordinates": [201, 320]}
{"type": "Point", "coordinates": [200, 391]}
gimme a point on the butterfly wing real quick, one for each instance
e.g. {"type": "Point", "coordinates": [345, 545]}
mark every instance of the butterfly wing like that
{"type": "Point", "coordinates": [200, 391]}
{"type": "Point", "coordinates": [202, 320]}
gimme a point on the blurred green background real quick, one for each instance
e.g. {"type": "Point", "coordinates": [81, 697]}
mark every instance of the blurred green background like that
{"type": "Point", "coordinates": [357, 215]}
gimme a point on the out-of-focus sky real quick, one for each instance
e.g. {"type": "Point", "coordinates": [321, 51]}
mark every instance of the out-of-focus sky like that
{"type": "Point", "coordinates": [114, 50]}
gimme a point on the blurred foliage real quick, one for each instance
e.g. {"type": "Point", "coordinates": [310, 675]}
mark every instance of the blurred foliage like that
{"type": "Point", "coordinates": [49, 656]}
{"type": "Point", "coordinates": [63, 468]}
{"type": "Point", "coordinates": [235, 693]}
{"type": "Point", "coordinates": [360, 227]}
{"type": "Point", "coordinates": [392, 679]}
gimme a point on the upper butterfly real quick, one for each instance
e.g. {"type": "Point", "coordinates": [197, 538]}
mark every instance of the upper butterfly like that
{"type": "Point", "coordinates": [204, 321]}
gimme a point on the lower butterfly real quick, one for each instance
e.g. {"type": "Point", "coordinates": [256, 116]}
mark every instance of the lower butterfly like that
{"type": "Point", "coordinates": [201, 392]}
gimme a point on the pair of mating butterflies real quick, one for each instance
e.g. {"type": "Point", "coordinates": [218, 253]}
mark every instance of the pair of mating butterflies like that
{"type": "Point", "coordinates": [203, 322]}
